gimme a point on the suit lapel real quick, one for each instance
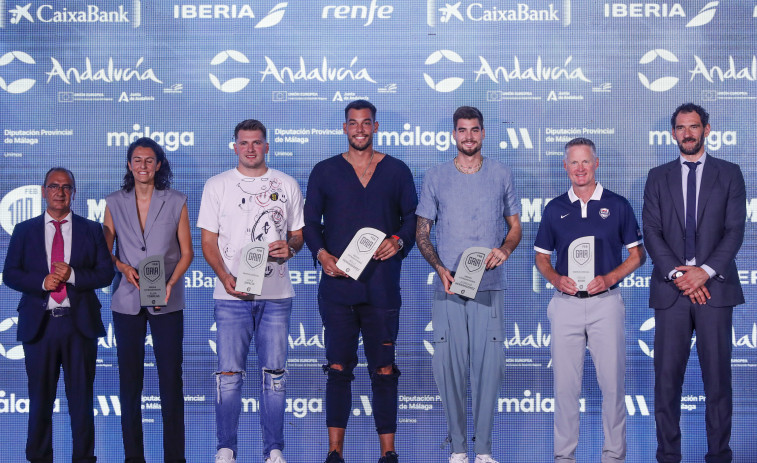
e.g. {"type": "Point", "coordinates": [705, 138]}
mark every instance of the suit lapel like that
{"type": "Point", "coordinates": [77, 239]}
{"type": "Point", "coordinates": [38, 242]}
{"type": "Point", "coordinates": [710, 174]}
{"type": "Point", "coordinates": [156, 205]}
{"type": "Point", "coordinates": [673, 177]}
{"type": "Point", "coordinates": [131, 211]}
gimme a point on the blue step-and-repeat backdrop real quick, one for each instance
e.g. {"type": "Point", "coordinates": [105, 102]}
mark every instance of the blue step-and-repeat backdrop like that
{"type": "Point", "coordinates": [80, 79]}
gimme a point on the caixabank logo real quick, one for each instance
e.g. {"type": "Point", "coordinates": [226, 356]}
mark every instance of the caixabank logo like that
{"type": "Point", "coordinates": [497, 13]}
{"type": "Point", "coordinates": [41, 14]}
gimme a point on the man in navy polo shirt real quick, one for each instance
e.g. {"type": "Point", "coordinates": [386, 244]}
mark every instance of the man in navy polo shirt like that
{"type": "Point", "coordinates": [595, 316]}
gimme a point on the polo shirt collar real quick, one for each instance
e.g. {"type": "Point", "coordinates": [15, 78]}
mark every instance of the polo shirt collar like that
{"type": "Point", "coordinates": [596, 196]}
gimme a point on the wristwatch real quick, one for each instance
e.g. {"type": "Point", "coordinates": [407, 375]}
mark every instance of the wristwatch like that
{"type": "Point", "coordinates": [677, 275]}
{"type": "Point", "coordinates": [292, 251]}
{"type": "Point", "coordinates": [399, 240]}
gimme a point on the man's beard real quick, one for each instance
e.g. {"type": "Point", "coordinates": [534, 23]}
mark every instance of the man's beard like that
{"type": "Point", "coordinates": [368, 142]}
{"type": "Point", "coordinates": [695, 149]}
{"type": "Point", "coordinates": [469, 152]}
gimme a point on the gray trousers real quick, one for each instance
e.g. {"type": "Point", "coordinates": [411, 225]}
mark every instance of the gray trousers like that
{"type": "Point", "coordinates": [469, 335]}
{"type": "Point", "coordinates": [599, 323]}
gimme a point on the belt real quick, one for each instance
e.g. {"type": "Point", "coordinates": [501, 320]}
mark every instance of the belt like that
{"type": "Point", "coordinates": [584, 294]}
{"type": "Point", "coordinates": [60, 311]}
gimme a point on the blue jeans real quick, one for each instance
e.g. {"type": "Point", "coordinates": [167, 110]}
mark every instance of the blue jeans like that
{"type": "Point", "coordinates": [237, 322]}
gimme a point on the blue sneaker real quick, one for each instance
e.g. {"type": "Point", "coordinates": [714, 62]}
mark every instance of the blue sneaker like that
{"type": "Point", "coordinates": [334, 457]}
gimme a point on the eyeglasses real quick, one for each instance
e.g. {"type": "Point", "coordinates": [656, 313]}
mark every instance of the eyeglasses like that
{"type": "Point", "coordinates": [54, 187]}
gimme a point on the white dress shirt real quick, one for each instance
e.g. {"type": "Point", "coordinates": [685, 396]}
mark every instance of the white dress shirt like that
{"type": "Point", "coordinates": [65, 230]}
{"type": "Point", "coordinates": [684, 183]}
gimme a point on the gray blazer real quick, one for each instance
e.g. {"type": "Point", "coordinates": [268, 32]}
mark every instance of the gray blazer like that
{"type": "Point", "coordinates": [160, 237]}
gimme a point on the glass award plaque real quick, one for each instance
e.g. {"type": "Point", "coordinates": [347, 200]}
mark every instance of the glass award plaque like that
{"type": "Point", "coordinates": [251, 269]}
{"type": "Point", "coordinates": [469, 272]}
{"type": "Point", "coordinates": [152, 282]}
{"type": "Point", "coordinates": [581, 261]}
{"type": "Point", "coordinates": [360, 251]}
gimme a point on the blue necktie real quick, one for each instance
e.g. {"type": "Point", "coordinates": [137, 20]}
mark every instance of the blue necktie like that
{"type": "Point", "coordinates": [691, 211]}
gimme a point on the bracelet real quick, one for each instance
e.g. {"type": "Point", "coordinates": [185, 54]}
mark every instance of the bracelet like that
{"type": "Point", "coordinates": [319, 253]}
{"type": "Point", "coordinates": [292, 251]}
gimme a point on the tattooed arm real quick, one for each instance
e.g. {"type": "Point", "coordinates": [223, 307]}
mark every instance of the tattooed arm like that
{"type": "Point", "coordinates": [423, 241]}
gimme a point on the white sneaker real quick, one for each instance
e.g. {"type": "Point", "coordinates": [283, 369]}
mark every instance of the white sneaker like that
{"type": "Point", "coordinates": [275, 457]}
{"type": "Point", "coordinates": [485, 459]}
{"type": "Point", "coordinates": [225, 456]}
{"type": "Point", "coordinates": [458, 458]}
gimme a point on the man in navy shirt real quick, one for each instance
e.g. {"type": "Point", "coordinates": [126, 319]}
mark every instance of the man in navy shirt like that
{"type": "Point", "coordinates": [360, 188]}
{"type": "Point", "coordinates": [594, 316]}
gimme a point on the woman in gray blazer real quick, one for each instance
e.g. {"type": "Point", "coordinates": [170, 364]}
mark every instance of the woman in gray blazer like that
{"type": "Point", "coordinates": [144, 218]}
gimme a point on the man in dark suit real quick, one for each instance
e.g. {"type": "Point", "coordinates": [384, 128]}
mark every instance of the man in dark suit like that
{"type": "Point", "coordinates": [694, 214]}
{"type": "Point", "coordinates": [57, 261]}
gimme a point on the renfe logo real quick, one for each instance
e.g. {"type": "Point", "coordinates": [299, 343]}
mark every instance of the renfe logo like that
{"type": "Point", "coordinates": [367, 12]}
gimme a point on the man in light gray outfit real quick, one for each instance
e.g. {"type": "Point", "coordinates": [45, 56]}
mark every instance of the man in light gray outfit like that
{"type": "Point", "coordinates": [470, 198]}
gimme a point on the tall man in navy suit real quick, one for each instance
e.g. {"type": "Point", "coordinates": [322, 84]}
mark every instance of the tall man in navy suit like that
{"type": "Point", "coordinates": [57, 261]}
{"type": "Point", "coordinates": [694, 214]}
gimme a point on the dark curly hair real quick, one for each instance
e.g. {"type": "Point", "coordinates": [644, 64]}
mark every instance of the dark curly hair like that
{"type": "Point", "coordinates": [163, 176]}
{"type": "Point", "coordinates": [704, 116]}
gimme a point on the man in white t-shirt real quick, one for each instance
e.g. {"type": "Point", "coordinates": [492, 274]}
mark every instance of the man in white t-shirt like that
{"type": "Point", "coordinates": [251, 202]}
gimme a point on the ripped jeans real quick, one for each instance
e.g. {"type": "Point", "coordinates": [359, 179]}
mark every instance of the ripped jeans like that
{"type": "Point", "coordinates": [343, 326]}
{"type": "Point", "coordinates": [237, 321]}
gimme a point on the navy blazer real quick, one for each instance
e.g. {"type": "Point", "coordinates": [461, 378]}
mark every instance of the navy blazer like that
{"type": "Point", "coordinates": [26, 267]}
{"type": "Point", "coordinates": [721, 217]}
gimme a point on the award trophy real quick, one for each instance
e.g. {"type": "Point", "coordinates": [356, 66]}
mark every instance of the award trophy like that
{"type": "Point", "coordinates": [360, 251]}
{"type": "Point", "coordinates": [152, 282]}
{"type": "Point", "coordinates": [469, 272]}
{"type": "Point", "coordinates": [251, 269]}
{"type": "Point", "coordinates": [581, 261]}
